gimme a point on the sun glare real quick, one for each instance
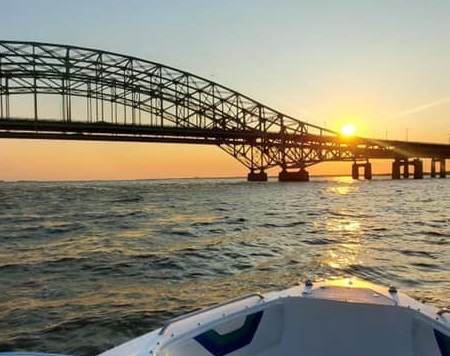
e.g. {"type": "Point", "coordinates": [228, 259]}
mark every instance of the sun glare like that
{"type": "Point", "coordinates": [348, 130]}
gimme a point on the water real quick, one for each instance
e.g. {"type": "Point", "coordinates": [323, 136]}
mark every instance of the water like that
{"type": "Point", "coordinates": [85, 266]}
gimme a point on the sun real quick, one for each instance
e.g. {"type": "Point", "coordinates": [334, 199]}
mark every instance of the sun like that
{"type": "Point", "coordinates": [348, 130]}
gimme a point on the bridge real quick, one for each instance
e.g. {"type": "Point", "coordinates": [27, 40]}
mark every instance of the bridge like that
{"type": "Point", "coordinates": [62, 92]}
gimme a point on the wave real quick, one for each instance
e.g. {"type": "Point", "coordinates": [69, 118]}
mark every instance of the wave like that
{"type": "Point", "coordinates": [85, 266]}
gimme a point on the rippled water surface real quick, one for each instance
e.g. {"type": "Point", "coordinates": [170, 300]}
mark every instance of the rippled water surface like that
{"type": "Point", "coordinates": [85, 266]}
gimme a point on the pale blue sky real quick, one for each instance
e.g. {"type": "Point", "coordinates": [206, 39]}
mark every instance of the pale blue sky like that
{"type": "Point", "coordinates": [384, 64]}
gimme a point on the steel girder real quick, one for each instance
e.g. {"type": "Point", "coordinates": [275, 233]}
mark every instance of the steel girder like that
{"type": "Point", "coordinates": [104, 95]}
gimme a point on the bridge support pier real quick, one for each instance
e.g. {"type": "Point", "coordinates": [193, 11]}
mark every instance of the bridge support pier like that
{"type": "Point", "coordinates": [367, 170]}
{"type": "Point", "coordinates": [442, 170]}
{"type": "Point", "coordinates": [418, 169]}
{"type": "Point", "coordinates": [442, 173]}
{"type": "Point", "coordinates": [405, 163]}
{"type": "Point", "coordinates": [257, 176]}
{"type": "Point", "coordinates": [396, 169]}
{"type": "Point", "coordinates": [301, 176]}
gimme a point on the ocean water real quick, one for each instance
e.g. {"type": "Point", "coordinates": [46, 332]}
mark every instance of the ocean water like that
{"type": "Point", "coordinates": [85, 266]}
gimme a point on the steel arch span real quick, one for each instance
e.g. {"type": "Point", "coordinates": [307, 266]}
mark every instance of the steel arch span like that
{"type": "Point", "coordinates": [80, 93]}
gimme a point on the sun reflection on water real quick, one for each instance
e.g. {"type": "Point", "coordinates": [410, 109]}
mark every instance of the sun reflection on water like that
{"type": "Point", "coordinates": [347, 233]}
{"type": "Point", "coordinates": [344, 186]}
{"type": "Point", "coordinates": [343, 256]}
{"type": "Point", "coordinates": [344, 224]}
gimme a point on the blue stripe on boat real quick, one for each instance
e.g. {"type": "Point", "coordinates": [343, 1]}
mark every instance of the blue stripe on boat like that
{"type": "Point", "coordinates": [220, 345]}
{"type": "Point", "coordinates": [443, 342]}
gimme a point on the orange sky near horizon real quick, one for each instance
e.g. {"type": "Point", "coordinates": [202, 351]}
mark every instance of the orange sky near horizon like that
{"type": "Point", "coordinates": [84, 160]}
{"type": "Point", "coordinates": [43, 160]}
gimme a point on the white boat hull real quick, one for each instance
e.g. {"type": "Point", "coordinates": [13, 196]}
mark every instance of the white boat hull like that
{"type": "Point", "coordinates": [338, 318]}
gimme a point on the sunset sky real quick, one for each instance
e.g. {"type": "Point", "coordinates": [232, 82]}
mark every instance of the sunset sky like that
{"type": "Point", "coordinates": [382, 65]}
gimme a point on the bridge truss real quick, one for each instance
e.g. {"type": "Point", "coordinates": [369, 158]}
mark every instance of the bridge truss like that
{"type": "Point", "coordinates": [51, 91]}
{"type": "Point", "coordinates": [64, 92]}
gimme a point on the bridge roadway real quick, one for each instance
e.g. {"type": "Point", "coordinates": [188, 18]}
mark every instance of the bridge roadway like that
{"type": "Point", "coordinates": [51, 91]}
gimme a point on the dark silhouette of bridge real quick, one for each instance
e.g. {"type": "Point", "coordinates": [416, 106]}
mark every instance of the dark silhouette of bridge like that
{"type": "Point", "coordinates": [51, 91]}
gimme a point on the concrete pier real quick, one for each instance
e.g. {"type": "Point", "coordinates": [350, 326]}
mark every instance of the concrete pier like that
{"type": "Point", "coordinates": [367, 170]}
{"type": "Point", "coordinates": [405, 169]}
{"type": "Point", "coordinates": [396, 169]}
{"type": "Point", "coordinates": [442, 170]}
{"type": "Point", "coordinates": [300, 176]}
{"type": "Point", "coordinates": [257, 176]}
{"type": "Point", "coordinates": [418, 169]}
{"type": "Point", "coordinates": [417, 165]}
